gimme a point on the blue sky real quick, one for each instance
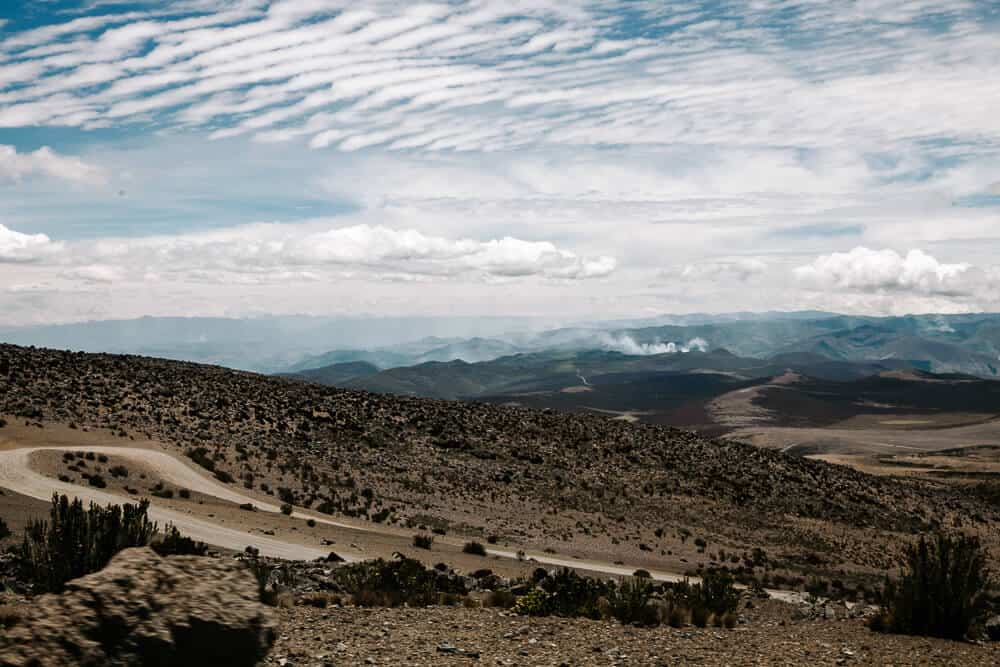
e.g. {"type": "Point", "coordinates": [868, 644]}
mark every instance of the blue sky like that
{"type": "Point", "coordinates": [606, 158]}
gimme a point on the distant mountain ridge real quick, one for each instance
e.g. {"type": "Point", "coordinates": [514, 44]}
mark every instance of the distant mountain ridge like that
{"type": "Point", "coordinates": [935, 343]}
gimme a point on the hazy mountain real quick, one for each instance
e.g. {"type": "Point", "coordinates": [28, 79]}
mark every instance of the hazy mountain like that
{"type": "Point", "coordinates": [266, 344]}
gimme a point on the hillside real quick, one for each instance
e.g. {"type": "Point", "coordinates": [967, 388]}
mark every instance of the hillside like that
{"type": "Point", "coordinates": [576, 483]}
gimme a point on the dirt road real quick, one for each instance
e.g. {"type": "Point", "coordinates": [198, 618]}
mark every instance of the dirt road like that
{"type": "Point", "coordinates": [16, 474]}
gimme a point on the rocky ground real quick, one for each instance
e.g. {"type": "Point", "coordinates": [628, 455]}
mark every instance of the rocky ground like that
{"type": "Point", "coordinates": [771, 633]}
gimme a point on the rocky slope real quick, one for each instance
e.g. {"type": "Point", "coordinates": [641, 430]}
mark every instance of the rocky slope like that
{"type": "Point", "coordinates": [571, 483]}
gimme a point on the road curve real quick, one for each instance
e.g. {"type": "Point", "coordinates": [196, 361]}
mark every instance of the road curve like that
{"type": "Point", "coordinates": [16, 474]}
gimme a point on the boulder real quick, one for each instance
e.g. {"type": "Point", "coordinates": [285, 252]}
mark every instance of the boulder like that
{"type": "Point", "coordinates": [143, 609]}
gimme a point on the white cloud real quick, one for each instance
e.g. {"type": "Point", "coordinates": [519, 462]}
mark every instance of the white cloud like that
{"type": "Point", "coordinates": [279, 253]}
{"type": "Point", "coordinates": [46, 162]}
{"type": "Point", "coordinates": [868, 270]}
{"type": "Point", "coordinates": [740, 269]}
{"type": "Point", "coordinates": [95, 273]}
{"type": "Point", "coordinates": [18, 247]}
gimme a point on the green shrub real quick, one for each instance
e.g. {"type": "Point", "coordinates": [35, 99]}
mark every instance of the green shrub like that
{"type": "Point", "coordinates": [77, 541]}
{"type": "Point", "coordinates": [392, 583]}
{"type": "Point", "coordinates": [224, 477]}
{"type": "Point", "coordinates": [717, 593]}
{"type": "Point", "coordinates": [200, 456]}
{"type": "Point", "coordinates": [175, 544]}
{"type": "Point", "coordinates": [474, 548]}
{"type": "Point", "coordinates": [571, 594]}
{"type": "Point", "coordinates": [630, 602]}
{"type": "Point", "coordinates": [941, 592]}
{"type": "Point", "coordinates": [286, 509]}
{"type": "Point", "coordinates": [423, 541]}
{"type": "Point", "coordinates": [118, 471]}
{"type": "Point", "coordinates": [535, 603]}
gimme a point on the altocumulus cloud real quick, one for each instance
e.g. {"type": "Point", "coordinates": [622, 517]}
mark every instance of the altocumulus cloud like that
{"type": "Point", "coordinates": [869, 270]}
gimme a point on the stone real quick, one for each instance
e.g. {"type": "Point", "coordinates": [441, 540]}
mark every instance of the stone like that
{"type": "Point", "coordinates": [145, 609]}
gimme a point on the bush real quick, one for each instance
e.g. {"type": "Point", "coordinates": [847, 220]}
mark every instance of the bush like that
{"type": "Point", "coordinates": [4, 530]}
{"type": "Point", "coordinates": [630, 603]}
{"type": "Point", "coordinates": [77, 541]}
{"type": "Point", "coordinates": [118, 471]}
{"type": "Point", "coordinates": [224, 476]}
{"type": "Point", "coordinates": [200, 456]}
{"type": "Point", "coordinates": [175, 544]}
{"type": "Point", "coordinates": [717, 593]}
{"type": "Point", "coordinates": [940, 593]}
{"type": "Point", "coordinates": [286, 509]}
{"type": "Point", "coordinates": [98, 481]}
{"type": "Point", "coordinates": [474, 548]}
{"type": "Point", "coordinates": [184, 493]}
{"type": "Point", "coordinates": [396, 582]}
{"type": "Point", "coordinates": [423, 541]}
{"type": "Point", "coordinates": [163, 493]}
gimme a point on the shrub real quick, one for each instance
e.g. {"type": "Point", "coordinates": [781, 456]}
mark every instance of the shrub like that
{"type": "Point", "coordinates": [535, 603]}
{"type": "Point", "coordinates": [474, 548]}
{"type": "Point", "coordinates": [676, 616]}
{"type": "Point", "coordinates": [163, 493]}
{"type": "Point", "coordinates": [630, 603]}
{"type": "Point", "coordinates": [4, 530]}
{"type": "Point", "coordinates": [118, 471]}
{"type": "Point", "coordinates": [572, 594]}
{"type": "Point", "coordinates": [423, 541]}
{"type": "Point", "coordinates": [942, 590]}
{"type": "Point", "coordinates": [311, 523]}
{"type": "Point", "coordinates": [184, 493]}
{"type": "Point", "coordinates": [642, 574]}
{"type": "Point", "coordinates": [717, 593]}
{"type": "Point", "coordinates": [175, 544]}
{"type": "Point", "coordinates": [286, 509]}
{"type": "Point", "coordinates": [77, 541]}
{"type": "Point", "coordinates": [98, 481]}
{"type": "Point", "coordinates": [224, 476]}
{"type": "Point", "coordinates": [392, 583]}
{"type": "Point", "coordinates": [200, 456]}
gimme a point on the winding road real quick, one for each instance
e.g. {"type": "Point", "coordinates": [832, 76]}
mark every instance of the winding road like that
{"type": "Point", "coordinates": [17, 475]}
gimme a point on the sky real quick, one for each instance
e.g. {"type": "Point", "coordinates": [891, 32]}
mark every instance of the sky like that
{"type": "Point", "coordinates": [578, 160]}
